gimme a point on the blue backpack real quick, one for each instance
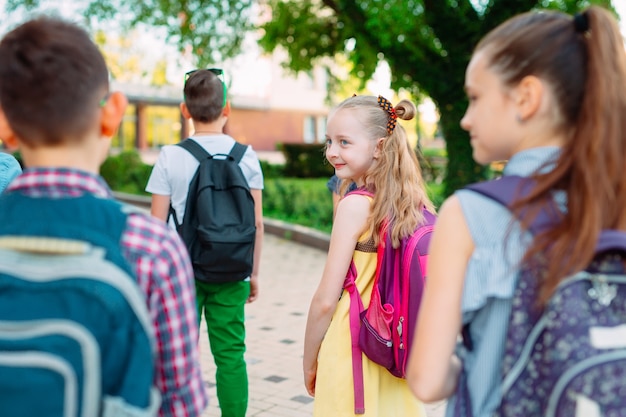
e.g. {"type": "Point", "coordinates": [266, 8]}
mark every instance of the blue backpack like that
{"type": "Point", "coordinates": [569, 358]}
{"type": "Point", "coordinates": [75, 334]}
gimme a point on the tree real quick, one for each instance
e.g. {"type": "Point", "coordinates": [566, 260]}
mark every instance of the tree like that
{"type": "Point", "coordinates": [208, 31]}
{"type": "Point", "coordinates": [427, 44]}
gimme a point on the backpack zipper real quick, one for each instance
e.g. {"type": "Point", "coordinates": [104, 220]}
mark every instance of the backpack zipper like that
{"type": "Point", "coordinates": [52, 363]}
{"type": "Point", "coordinates": [90, 353]}
{"type": "Point", "coordinates": [406, 264]}
{"type": "Point", "coordinates": [522, 359]}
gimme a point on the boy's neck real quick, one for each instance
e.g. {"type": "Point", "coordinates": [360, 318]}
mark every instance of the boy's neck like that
{"type": "Point", "coordinates": [83, 156]}
{"type": "Point", "coordinates": [212, 128]}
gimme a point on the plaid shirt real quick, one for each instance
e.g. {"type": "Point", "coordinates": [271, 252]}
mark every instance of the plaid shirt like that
{"type": "Point", "coordinates": [165, 276]}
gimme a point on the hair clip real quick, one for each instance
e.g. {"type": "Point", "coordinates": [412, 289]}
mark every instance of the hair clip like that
{"type": "Point", "coordinates": [391, 121]}
{"type": "Point", "coordinates": [581, 22]}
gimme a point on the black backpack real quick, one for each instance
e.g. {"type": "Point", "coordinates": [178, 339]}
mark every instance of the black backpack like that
{"type": "Point", "coordinates": [219, 225]}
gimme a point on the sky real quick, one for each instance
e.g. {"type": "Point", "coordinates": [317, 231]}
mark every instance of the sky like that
{"type": "Point", "coordinates": [620, 7]}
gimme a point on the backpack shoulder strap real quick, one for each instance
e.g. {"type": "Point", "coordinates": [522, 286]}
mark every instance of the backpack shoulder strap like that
{"type": "Point", "coordinates": [237, 152]}
{"type": "Point", "coordinates": [200, 154]}
{"type": "Point", "coordinates": [360, 191]}
{"type": "Point", "coordinates": [356, 307]}
{"type": "Point", "coordinates": [195, 149]}
{"type": "Point", "coordinates": [504, 190]}
{"type": "Point", "coordinates": [508, 189]}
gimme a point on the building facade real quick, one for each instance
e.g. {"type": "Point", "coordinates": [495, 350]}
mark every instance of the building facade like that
{"type": "Point", "coordinates": [269, 106]}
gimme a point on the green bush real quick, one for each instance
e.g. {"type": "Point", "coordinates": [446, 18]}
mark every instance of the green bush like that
{"type": "Point", "coordinates": [304, 201]}
{"type": "Point", "coordinates": [126, 172]}
{"type": "Point", "coordinates": [433, 163]}
{"type": "Point", "coordinates": [306, 160]}
{"type": "Point", "coordinates": [436, 193]}
{"type": "Point", "coordinates": [272, 170]}
{"type": "Point", "coordinates": [308, 202]}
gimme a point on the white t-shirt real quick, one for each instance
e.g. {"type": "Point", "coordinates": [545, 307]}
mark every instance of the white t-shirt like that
{"type": "Point", "coordinates": [175, 167]}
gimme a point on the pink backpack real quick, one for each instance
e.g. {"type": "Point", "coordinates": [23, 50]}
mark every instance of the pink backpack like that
{"type": "Point", "coordinates": [384, 330]}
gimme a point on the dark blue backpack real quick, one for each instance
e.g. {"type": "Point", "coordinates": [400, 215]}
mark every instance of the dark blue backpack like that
{"type": "Point", "coordinates": [219, 226]}
{"type": "Point", "coordinates": [569, 358]}
{"type": "Point", "coordinates": [75, 334]}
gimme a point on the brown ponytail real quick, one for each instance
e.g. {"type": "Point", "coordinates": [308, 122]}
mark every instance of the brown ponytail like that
{"type": "Point", "coordinates": [586, 68]}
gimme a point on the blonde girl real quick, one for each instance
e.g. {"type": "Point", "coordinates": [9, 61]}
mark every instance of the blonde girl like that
{"type": "Point", "coordinates": [366, 146]}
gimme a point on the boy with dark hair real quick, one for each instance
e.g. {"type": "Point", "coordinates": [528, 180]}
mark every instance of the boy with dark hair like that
{"type": "Point", "coordinates": [55, 105]}
{"type": "Point", "coordinates": [205, 103]}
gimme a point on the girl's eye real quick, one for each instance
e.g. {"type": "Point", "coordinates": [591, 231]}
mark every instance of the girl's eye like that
{"type": "Point", "coordinates": [343, 142]}
{"type": "Point", "coordinates": [328, 142]}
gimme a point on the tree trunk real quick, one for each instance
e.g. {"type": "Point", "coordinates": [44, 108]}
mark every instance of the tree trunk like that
{"type": "Point", "coordinates": [461, 168]}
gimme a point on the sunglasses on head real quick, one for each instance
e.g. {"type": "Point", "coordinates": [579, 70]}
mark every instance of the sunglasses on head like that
{"type": "Point", "coordinates": [219, 73]}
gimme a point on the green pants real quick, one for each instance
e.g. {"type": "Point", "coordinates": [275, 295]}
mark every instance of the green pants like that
{"type": "Point", "coordinates": [223, 306]}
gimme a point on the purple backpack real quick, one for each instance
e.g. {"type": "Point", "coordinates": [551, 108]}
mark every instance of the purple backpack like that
{"type": "Point", "coordinates": [384, 330]}
{"type": "Point", "coordinates": [569, 358]}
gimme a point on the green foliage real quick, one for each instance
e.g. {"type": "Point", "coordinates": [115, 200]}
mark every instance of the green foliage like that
{"type": "Point", "coordinates": [304, 201]}
{"type": "Point", "coordinates": [436, 192]}
{"type": "Point", "coordinates": [207, 30]}
{"type": "Point", "coordinates": [126, 172]}
{"type": "Point", "coordinates": [427, 44]}
{"type": "Point", "coordinates": [433, 163]}
{"type": "Point", "coordinates": [306, 161]}
{"type": "Point", "coordinates": [308, 202]}
{"type": "Point", "coordinates": [272, 170]}
{"type": "Point", "coordinates": [18, 156]}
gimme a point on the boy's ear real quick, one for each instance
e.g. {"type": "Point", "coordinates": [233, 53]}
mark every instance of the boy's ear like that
{"type": "Point", "coordinates": [185, 111]}
{"type": "Point", "coordinates": [112, 114]}
{"type": "Point", "coordinates": [6, 133]}
{"type": "Point", "coordinates": [226, 110]}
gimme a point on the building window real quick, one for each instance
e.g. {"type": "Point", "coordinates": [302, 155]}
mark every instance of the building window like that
{"type": "Point", "coordinates": [309, 129]}
{"type": "Point", "coordinates": [321, 129]}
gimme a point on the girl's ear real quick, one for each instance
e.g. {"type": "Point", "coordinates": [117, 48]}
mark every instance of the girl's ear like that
{"type": "Point", "coordinates": [112, 113]}
{"type": "Point", "coordinates": [528, 96]}
{"type": "Point", "coordinates": [379, 147]}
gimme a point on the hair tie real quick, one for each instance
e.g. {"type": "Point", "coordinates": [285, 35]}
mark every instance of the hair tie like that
{"type": "Point", "coordinates": [391, 120]}
{"type": "Point", "coordinates": [581, 22]}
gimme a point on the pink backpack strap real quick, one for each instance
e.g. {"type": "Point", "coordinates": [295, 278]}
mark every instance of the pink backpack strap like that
{"type": "Point", "coordinates": [356, 307]}
{"type": "Point", "coordinates": [360, 191]}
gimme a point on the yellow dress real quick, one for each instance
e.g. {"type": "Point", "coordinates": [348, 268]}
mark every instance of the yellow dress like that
{"type": "Point", "coordinates": [385, 395]}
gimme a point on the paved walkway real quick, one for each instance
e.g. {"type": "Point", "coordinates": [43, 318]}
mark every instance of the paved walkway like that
{"type": "Point", "coordinates": [275, 334]}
